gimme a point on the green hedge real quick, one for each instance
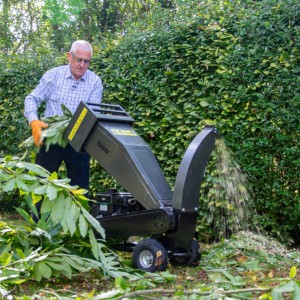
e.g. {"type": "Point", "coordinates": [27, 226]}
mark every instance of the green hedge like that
{"type": "Point", "coordinates": [235, 65]}
{"type": "Point", "coordinates": [18, 76]}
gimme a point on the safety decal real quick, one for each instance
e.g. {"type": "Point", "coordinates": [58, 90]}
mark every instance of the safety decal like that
{"type": "Point", "coordinates": [77, 124]}
{"type": "Point", "coordinates": [123, 132]}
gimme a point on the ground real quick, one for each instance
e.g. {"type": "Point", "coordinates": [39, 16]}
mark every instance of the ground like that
{"type": "Point", "coordinates": [246, 261]}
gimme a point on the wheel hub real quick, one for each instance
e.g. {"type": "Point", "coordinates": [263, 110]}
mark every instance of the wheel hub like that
{"type": "Point", "coordinates": [146, 259]}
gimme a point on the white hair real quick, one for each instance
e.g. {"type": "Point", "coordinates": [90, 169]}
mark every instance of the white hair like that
{"type": "Point", "coordinates": [81, 44]}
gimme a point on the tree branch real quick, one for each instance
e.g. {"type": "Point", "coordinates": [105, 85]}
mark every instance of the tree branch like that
{"type": "Point", "coordinates": [191, 292]}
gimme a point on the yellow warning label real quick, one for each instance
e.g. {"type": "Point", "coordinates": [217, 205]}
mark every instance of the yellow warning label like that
{"type": "Point", "coordinates": [77, 124]}
{"type": "Point", "coordinates": [123, 132]}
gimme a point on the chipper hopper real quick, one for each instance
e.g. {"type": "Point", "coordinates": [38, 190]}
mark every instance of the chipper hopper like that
{"type": "Point", "coordinates": [163, 219]}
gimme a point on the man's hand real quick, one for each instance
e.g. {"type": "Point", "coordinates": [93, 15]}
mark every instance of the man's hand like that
{"type": "Point", "coordinates": [37, 126]}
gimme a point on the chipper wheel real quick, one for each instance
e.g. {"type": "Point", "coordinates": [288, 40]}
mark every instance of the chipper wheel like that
{"type": "Point", "coordinates": [150, 255]}
{"type": "Point", "coordinates": [192, 260]}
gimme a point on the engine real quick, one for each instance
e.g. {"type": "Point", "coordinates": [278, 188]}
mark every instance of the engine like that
{"type": "Point", "coordinates": [114, 203]}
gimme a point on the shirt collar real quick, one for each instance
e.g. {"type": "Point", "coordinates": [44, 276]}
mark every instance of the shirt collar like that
{"type": "Point", "coordinates": [69, 74]}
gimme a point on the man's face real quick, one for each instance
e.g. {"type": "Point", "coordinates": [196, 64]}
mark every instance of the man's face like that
{"type": "Point", "coordinates": [79, 62]}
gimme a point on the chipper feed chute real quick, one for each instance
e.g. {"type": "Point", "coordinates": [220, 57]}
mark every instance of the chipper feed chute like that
{"type": "Point", "coordinates": [148, 207]}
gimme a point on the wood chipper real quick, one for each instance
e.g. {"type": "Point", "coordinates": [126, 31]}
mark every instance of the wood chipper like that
{"type": "Point", "coordinates": [163, 219]}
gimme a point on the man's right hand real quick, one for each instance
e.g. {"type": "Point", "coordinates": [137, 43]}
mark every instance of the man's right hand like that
{"type": "Point", "coordinates": [36, 127]}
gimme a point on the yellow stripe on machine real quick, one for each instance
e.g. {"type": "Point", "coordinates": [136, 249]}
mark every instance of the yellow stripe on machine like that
{"type": "Point", "coordinates": [123, 132]}
{"type": "Point", "coordinates": [77, 124]}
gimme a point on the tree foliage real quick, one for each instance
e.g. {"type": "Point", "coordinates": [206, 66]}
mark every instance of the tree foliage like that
{"type": "Point", "coordinates": [36, 25]}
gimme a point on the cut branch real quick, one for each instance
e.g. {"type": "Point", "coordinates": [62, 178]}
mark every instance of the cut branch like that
{"type": "Point", "coordinates": [192, 292]}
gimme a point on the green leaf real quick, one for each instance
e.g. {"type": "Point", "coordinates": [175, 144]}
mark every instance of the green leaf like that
{"type": "Point", "coordinates": [51, 191]}
{"type": "Point", "coordinates": [293, 272]}
{"type": "Point", "coordinates": [9, 186]}
{"type": "Point", "coordinates": [36, 273]}
{"type": "Point", "coordinates": [29, 142]}
{"type": "Point", "coordinates": [40, 190]}
{"type": "Point", "coordinates": [204, 103]}
{"type": "Point", "coordinates": [36, 198]}
{"type": "Point", "coordinates": [94, 244]}
{"type": "Point", "coordinates": [83, 226]}
{"type": "Point", "coordinates": [47, 205]}
{"type": "Point", "coordinates": [4, 177]}
{"type": "Point", "coordinates": [273, 65]}
{"type": "Point", "coordinates": [79, 191]}
{"type": "Point", "coordinates": [27, 177]}
{"type": "Point", "coordinates": [93, 222]}
{"type": "Point", "coordinates": [297, 291]}
{"type": "Point", "coordinates": [55, 266]}
{"type": "Point", "coordinates": [36, 169]}
{"type": "Point", "coordinates": [53, 176]}
{"type": "Point", "coordinates": [20, 253]}
{"type": "Point", "coordinates": [5, 259]}
{"type": "Point", "coordinates": [58, 209]}
{"type": "Point", "coordinates": [75, 262]}
{"type": "Point", "coordinates": [209, 122]}
{"type": "Point", "coordinates": [67, 270]}
{"type": "Point", "coordinates": [64, 225]}
{"type": "Point", "coordinates": [286, 288]}
{"type": "Point", "coordinates": [252, 264]}
{"type": "Point", "coordinates": [24, 214]}
{"type": "Point", "coordinates": [66, 111]}
{"type": "Point", "coordinates": [121, 283]}
{"type": "Point", "coordinates": [72, 215]}
{"type": "Point", "coordinates": [194, 114]}
{"type": "Point", "coordinates": [44, 269]}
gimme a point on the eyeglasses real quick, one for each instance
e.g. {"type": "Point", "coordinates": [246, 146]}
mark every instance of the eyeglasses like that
{"type": "Point", "coordinates": [80, 60]}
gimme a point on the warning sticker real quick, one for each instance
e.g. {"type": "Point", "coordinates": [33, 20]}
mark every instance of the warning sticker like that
{"type": "Point", "coordinates": [77, 124]}
{"type": "Point", "coordinates": [123, 132]}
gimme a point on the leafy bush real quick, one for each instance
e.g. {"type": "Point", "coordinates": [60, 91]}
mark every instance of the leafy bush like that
{"type": "Point", "coordinates": [18, 77]}
{"type": "Point", "coordinates": [234, 64]}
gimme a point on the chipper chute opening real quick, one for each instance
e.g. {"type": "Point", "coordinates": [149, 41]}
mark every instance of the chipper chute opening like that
{"type": "Point", "coordinates": [148, 206]}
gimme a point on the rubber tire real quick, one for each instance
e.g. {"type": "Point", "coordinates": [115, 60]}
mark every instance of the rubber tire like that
{"type": "Point", "coordinates": [150, 255]}
{"type": "Point", "coordinates": [192, 260]}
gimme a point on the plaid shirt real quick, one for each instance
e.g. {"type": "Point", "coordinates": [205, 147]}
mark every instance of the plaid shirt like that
{"type": "Point", "coordinates": [59, 86]}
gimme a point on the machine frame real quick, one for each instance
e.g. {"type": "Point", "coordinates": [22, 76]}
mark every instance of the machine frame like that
{"type": "Point", "coordinates": [148, 207]}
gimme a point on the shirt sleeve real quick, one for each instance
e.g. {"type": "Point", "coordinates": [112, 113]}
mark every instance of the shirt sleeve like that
{"type": "Point", "coordinates": [38, 95]}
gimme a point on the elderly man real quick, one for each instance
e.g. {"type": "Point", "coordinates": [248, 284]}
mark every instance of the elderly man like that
{"type": "Point", "coordinates": [69, 84]}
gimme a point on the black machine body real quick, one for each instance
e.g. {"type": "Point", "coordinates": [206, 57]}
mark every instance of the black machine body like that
{"type": "Point", "coordinates": [148, 207]}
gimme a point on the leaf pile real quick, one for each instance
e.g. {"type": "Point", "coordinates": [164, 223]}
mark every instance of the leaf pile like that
{"type": "Point", "coordinates": [269, 246]}
{"type": "Point", "coordinates": [250, 259]}
{"type": "Point", "coordinates": [254, 250]}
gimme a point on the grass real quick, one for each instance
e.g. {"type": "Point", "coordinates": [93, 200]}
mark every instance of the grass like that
{"type": "Point", "coordinates": [11, 218]}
